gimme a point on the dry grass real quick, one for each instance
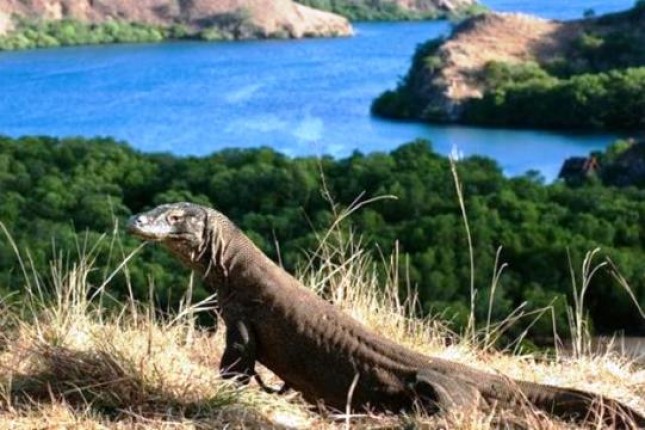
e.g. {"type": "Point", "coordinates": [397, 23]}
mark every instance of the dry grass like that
{"type": "Point", "coordinates": [69, 363]}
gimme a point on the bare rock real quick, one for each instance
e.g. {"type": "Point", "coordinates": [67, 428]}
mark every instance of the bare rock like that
{"type": "Point", "coordinates": [511, 38]}
{"type": "Point", "coordinates": [6, 23]}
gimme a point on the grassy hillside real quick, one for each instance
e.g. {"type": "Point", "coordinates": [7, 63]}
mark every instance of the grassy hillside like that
{"type": "Point", "coordinates": [67, 360]}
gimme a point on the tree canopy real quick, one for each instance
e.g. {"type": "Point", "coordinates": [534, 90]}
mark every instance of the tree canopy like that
{"type": "Point", "coordinates": [56, 191]}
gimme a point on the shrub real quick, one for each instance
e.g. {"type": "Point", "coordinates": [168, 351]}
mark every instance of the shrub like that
{"type": "Point", "coordinates": [67, 32]}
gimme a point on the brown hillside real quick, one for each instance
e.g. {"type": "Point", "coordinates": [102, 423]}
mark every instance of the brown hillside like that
{"type": "Point", "coordinates": [268, 16]}
{"type": "Point", "coordinates": [512, 38]}
{"type": "Point", "coordinates": [508, 38]}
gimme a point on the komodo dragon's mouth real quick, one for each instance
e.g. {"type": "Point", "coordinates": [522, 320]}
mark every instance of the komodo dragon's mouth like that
{"type": "Point", "coordinates": [142, 227]}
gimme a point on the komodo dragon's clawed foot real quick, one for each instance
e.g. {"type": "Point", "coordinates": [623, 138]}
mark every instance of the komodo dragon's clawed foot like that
{"type": "Point", "coordinates": [279, 391]}
{"type": "Point", "coordinates": [436, 392]}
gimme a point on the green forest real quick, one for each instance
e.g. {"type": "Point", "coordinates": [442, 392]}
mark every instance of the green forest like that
{"type": "Point", "coordinates": [60, 194]}
{"type": "Point", "coordinates": [598, 83]}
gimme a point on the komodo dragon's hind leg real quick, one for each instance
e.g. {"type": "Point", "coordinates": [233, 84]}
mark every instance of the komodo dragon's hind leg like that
{"type": "Point", "coordinates": [437, 392]}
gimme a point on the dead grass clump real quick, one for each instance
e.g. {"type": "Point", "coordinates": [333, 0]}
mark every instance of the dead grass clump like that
{"type": "Point", "coordinates": [148, 374]}
{"type": "Point", "coordinates": [68, 361]}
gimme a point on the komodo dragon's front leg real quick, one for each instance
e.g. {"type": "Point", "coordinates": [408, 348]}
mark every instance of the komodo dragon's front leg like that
{"type": "Point", "coordinates": [238, 360]}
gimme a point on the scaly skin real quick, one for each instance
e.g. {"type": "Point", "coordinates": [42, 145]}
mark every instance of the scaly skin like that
{"type": "Point", "coordinates": [321, 352]}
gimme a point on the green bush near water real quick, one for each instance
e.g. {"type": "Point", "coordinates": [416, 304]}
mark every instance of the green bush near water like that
{"type": "Point", "coordinates": [70, 32]}
{"type": "Point", "coordinates": [56, 191]}
{"type": "Point", "coordinates": [406, 102]}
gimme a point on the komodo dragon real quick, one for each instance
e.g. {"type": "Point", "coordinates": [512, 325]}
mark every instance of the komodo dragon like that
{"type": "Point", "coordinates": [320, 351]}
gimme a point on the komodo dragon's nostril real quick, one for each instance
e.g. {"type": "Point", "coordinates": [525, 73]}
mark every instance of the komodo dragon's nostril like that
{"type": "Point", "coordinates": [136, 222]}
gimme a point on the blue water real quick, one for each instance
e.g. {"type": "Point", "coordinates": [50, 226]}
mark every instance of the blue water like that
{"type": "Point", "coordinates": [299, 97]}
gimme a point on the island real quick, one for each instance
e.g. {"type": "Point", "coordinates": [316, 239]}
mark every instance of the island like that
{"type": "Point", "coordinates": [515, 70]}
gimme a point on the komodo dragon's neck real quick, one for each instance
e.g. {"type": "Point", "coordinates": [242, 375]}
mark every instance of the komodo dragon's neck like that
{"type": "Point", "coordinates": [233, 262]}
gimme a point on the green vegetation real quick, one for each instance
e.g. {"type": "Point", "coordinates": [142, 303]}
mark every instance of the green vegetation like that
{"type": "Point", "coordinates": [599, 82]}
{"type": "Point", "coordinates": [69, 32]}
{"type": "Point", "coordinates": [32, 34]}
{"type": "Point", "coordinates": [614, 41]}
{"type": "Point", "coordinates": [406, 102]}
{"type": "Point", "coordinates": [54, 189]}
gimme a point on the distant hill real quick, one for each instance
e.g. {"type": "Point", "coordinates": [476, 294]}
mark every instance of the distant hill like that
{"type": "Point", "coordinates": [238, 19]}
{"type": "Point", "coordinates": [519, 70]}
{"type": "Point", "coordinates": [369, 10]}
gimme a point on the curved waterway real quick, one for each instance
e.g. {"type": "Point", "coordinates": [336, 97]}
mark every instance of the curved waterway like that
{"type": "Point", "coordinates": [299, 97]}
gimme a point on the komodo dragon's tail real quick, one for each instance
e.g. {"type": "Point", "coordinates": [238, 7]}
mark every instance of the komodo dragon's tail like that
{"type": "Point", "coordinates": [578, 405]}
{"type": "Point", "coordinates": [446, 389]}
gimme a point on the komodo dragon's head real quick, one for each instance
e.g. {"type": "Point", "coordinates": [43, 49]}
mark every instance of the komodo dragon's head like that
{"type": "Point", "coordinates": [184, 228]}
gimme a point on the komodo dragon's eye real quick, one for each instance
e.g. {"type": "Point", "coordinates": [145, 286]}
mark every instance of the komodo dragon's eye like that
{"type": "Point", "coordinates": [174, 218]}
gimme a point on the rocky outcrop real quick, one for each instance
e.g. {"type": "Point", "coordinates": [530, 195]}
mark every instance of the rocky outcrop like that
{"type": "Point", "coordinates": [621, 165]}
{"type": "Point", "coordinates": [5, 22]}
{"type": "Point", "coordinates": [267, 18]}
{"type": "Point", "coordinates": [511, 38]}
{"type": "Point", "coordinates": [431, 5]}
